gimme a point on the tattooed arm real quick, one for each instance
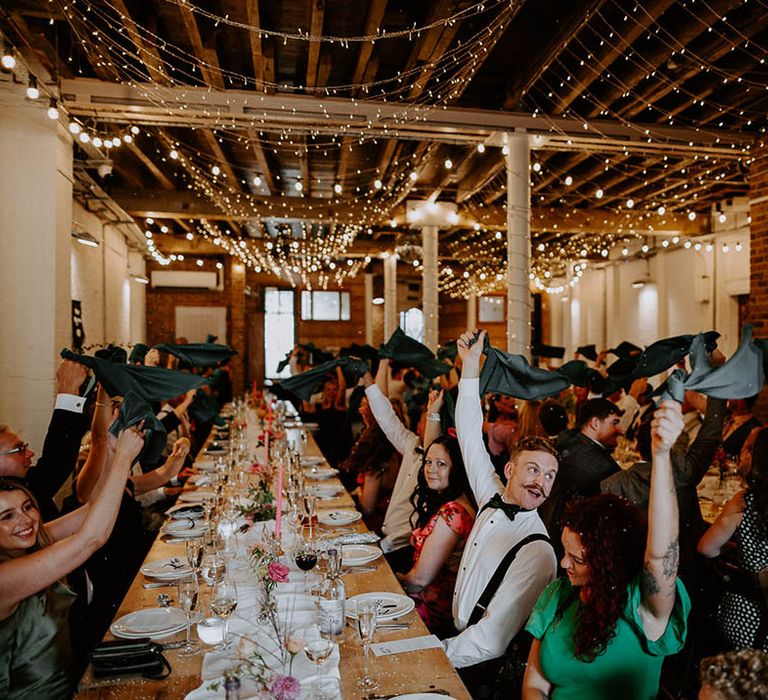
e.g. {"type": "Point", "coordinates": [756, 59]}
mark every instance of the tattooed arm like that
{"type": "Point", "coordinates": [662, 551]}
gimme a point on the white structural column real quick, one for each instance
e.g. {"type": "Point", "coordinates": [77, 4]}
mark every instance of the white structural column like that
{"type": "Point", "coordinates": [390, 295]}
{"type": "Point", "coordinates": [518, 244]}
{"type": "Point", "coordinates": [368, 279]}
{"type": "Point", "coordinates": [472, 312]}
{"type": "Point", "coordinates": [35, 245]}
{"type": "Point", "coordinates": [429, 292]}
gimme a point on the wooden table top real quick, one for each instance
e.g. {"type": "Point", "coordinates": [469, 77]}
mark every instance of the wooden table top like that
{"type": "Point", "coordinates": [420, 671]}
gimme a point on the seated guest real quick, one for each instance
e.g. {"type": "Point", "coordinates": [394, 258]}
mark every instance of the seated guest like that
{"type": "Point", "coordinates": [604, 631]}
{"type": "Point", "coordinates": [443, 517]}
{"type": "Point", "coordinates": [506, 518]}
{"type": "Point", "coordinates": [61, 446]}
{"type": "Point", "coordinates": [372, 464]}
{"type": "Point", "coordinates": [333, 434]}
{"type": "Point", "coordinates": [735, 676]}
{"type": "Point", "coordinates": [585, 459]}
{"type": "Point", "coordinates": [738, 425]}
{"type": "Point", "coordinates": [397, 520]}
{"type": "Point", "coordinates": [34, 633]}
{"type": "Point", "coordinates": [741, 617]}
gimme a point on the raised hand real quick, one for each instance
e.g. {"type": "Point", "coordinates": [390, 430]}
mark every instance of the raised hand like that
{"type": "Point", "coordinates": [435, 402]}
{"type": "Point", "coordinates": [130, 441]}
{"type": "Point", "coordinates": [152, 358]}
{"type": "Point", "coordinates": [180, 448]}
{"type": "Point", "coordinates": [666, 426]}
{"type": "Point", "coordinates": [470, 347]}
{"type": "Point", "coordinates": [70, 377]}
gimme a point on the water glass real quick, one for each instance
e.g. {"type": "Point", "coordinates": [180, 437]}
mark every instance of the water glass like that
{"type": "Point", "coordinates": [223, 603]}
{"type": "Point", "coordinates": [188, 595]}
{"type": "Point", "coordinates": [367, 617]}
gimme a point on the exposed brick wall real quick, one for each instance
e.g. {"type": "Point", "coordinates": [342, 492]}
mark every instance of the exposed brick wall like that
{"type": "Point", "coordinates": [758, 240]}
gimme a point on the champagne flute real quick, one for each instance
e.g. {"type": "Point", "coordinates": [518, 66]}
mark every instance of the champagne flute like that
{"type": "Point", "coordinates": [195, 554]}
{"type": "Point", "coordinates": [188, 593]}
{"type": "Point", "coordinates": [367, 617]}
{"type": "Point", "coordinates": [308, 502]}
{"type": "Point", "coordinates": [317, 651]}
{"type": "Point", "coordinates": [224, 602]}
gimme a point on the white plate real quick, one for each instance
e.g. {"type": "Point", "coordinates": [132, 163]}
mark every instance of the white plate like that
{"type": "Point", "coordinates": [200, 479]}
{"type": "Point", "coordinates": [321, 473]}
{"type": "Point", "coordinates": [359, 554]}
{"type": "Point", "coordinates": [327, 490]}
{"type": "Point", "coordinates": [196, 496]}
{"type": "Point", "coordinates": [401, 604]}
{"type": "Point", "coordinates": [423, 696]}
{"type": "Point", "coordinates": [162, 569]}
{"type": "Point", "coordinates": [338, 517]}
{"type": "Point", "coordinates": [181, 528]}
{"type": "Point", "coordinates": [311, 461]}
{"type": "Point", "coordinates": [183, 511]}
{"type": "Point", "coordinates": [152, 622]}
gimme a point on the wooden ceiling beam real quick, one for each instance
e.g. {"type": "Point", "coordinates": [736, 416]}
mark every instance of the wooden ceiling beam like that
{"type": "Point", "coordinates": [147, 52]}
{"type": "Point", "coordinates": [313, 54]}
{"type": "Point", "coordinates": [650, 60]}
{"type": "Point", "coordinates": [39, 44]}
{"type": "Point", "coordinates": [573, 16]}
{"type": "Point", "coordinates": [165, 182]}
{"type": "Point", "coordinates": [258, 59]}
{"type": "Point", "coordinates": [262, 161]}
{"type": "Point", "coordinates": [208, 59]}
{"type": "Point", "coordinates": [373, 19]}
{"type": "Point", "coordinates": [584, 76]}
{"type": "Point", "coordinates": [306, 175]}
{"type": "Point", "coordinates": [480, 179]}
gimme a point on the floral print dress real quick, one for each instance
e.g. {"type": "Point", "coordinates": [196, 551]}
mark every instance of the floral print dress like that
{"type": "Point", "coordinates": [433, 603]}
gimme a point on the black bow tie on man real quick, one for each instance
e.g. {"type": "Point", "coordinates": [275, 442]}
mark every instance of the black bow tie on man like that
{"type": "Point", "coordinates": [509, 509]}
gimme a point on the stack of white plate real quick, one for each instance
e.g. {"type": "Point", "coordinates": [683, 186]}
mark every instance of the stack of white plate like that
{"type": "Point", "coordinates": [342, 516]}
{"type": "Point", "coordinates": [167, 569]}
{"type": "Point", "coordinates": [359, 554]}
{"type": "Point", "coordinates": [327, 490]}
{"type": "Point", "coordinates": [320, 473]}
{"type": "Point", "coordinates": [186, 528]}
{"type": "Point", "coordinates": [154, 623]}
{"type": "Point", "coordinates": [391, 605]}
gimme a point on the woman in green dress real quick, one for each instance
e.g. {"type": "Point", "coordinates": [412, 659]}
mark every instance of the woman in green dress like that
{"type": "Point", "coordinates": [604, 631]}
{"type": "Point", "coordinates": [34, 635]}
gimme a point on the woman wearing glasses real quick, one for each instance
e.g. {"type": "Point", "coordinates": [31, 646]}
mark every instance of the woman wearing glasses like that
{"type": "Point", "coordinates": [34, 558]}
{"type": "Point", "coordinates": [444, 513]}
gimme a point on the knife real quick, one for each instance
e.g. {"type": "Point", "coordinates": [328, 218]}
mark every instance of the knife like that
{"type": "Point", "coordinates": [159, 585]}
{"type": "Point", "coordinates": [173, 645]}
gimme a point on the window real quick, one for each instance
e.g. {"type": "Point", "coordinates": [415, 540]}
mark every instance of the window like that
{"type": "Point", "coordinates": [412, 323]}
{"type": "Point", "coordinates": [491, 310]}
{"type": "Point", "coordinates": [325, 306]}
{"type": "Point", "coordinates": [279, 336]}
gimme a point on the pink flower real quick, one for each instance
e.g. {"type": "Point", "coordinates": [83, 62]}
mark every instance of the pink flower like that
{"type": "Point", "coordinates": [278, 572]}
{"type": "Point", "coordinates": [285, 688]}
{"type": "Point", "coordinates": [256, 468]}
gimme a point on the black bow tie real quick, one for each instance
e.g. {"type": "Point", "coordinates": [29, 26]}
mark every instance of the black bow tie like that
{"type": "Point", "coordinates": [509, 509]}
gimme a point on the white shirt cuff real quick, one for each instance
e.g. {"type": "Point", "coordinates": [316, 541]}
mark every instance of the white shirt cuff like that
{"type": "Point", "coordinates": [70, 402]}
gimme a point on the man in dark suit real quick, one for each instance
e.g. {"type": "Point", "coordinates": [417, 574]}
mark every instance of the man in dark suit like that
{"type": "Point", "coordinates": [61, 446]}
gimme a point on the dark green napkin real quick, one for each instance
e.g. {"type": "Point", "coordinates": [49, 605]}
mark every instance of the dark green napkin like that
{"type": "Point", "coordinates": [625, 350]}
{"type": "Point", "coordinates": [740, 377]}
{"type": "Point", "coordinates": [588, 351]}
{"type": "Point", "coordinates": [112, 353]}
{"type": "Point", "coordinates": [305, 384]}
{"type": "Point", "coordinates": [553, 351]}
{"type": "Point", "coordinates": [138, 354]}
{"type": "Point", "coordinates": [204, 409]}
{"type": "Point", "coordinates": [364, 352]}
{"type": "Point", "coordinates": [449, 351]}
{"type": "Point", "coordinates": [199, 354]}
{"type": "Point", "coordinates": [411, 353]}
{"type": "Point", "coordinates": [147, 383]}
{"type": "Point", "coordinates": [133, 410]}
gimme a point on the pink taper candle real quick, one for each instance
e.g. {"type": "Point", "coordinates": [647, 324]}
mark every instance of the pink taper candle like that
{"type": "Point", "coordinates": [279, 506]}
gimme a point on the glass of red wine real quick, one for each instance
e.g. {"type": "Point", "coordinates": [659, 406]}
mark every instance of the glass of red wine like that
{"type": "Point", "coordinates": [305, 557]}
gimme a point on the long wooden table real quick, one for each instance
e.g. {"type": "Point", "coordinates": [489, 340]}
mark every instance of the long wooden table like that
{"type": "Point", "coordinates": [420, 671]}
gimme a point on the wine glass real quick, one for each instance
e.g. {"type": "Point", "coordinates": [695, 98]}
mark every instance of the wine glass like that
{"type": "Point", "coordinates": [214, 568]}
{"type": "Point", "coordinates": [188, 594]}
{"type": "Point", "coordinates": [195, 554]}
{"type": "Point", "coordinates": [305, 557]}
{"type": "Point", "coordinates": [308, 503]}
{"type": "Point", "coordinates": [208, 505]}
{"type": "Point", "coordinates": [367, 618]}
{"type": "Point", "coordinates": [224, 602]}
{"type": "Point", "coordinates": [317, 651]}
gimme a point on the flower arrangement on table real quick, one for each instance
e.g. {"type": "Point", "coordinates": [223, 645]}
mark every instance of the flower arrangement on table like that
{"type": "Point", "coordinates": [259, 504]}
{"type": "Point", "coordinates": [251, 662]}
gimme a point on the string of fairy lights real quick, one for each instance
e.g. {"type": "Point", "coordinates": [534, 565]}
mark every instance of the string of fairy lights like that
{"type": "Point", "coordinates": [447, 77]}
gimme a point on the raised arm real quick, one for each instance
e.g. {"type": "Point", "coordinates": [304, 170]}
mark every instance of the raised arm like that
{"type": "Point", "coordinates": [97, 456]}
{"type": "Point", "coordinates": [341, 397]}
{"type": "Point", "coordinates": [662, 551]}
{"type": "Point", "coordinates": [382, 376]}
{"type": "Point", "coordinates": [469, 422]}
{"type": "Point", "coordinates": [142, 483]}
{"type": "Point", "coordinates": [26, 575]}
{"type": "Point", "coordinates": [433, 427]}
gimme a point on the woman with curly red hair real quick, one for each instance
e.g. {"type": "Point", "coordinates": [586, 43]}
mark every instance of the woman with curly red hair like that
{"type": "Point", "coordinates": [604, 631]}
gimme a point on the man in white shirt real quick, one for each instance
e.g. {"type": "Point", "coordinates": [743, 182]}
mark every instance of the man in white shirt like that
{"type": "Point", "coordinates": [397, 526]}
{"type": "Point", "coordinates": [506, 515]}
